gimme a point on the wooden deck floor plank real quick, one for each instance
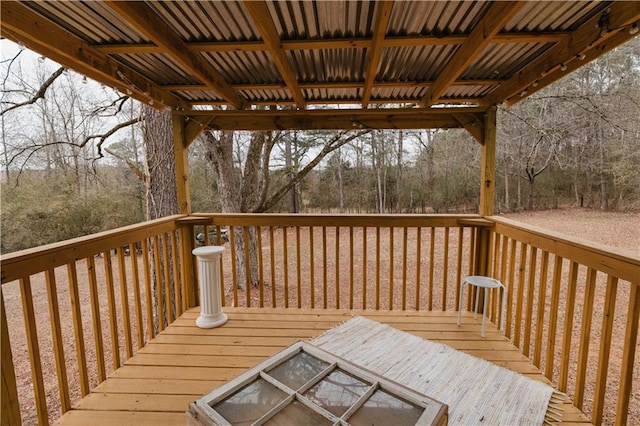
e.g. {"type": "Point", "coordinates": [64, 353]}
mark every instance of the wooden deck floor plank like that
{"type": "Point", "coordinates": [158, 386]}
{"type": "Point", "coordinates": [235, 350]}
{"type": "Point", "coordinates": [185, 362]}
{"type": "Point", "coordinates": [177, 372]}
{"type": "Point", "coordinates": [111, 418]}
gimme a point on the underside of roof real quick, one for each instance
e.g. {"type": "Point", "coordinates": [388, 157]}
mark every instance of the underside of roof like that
{"type": "Point", "coordinates": [305, 55]}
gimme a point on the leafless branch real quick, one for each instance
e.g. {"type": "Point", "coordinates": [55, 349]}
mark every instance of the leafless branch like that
{"type": "Point", "coordinates": [333, 144]}
{"type": "Point", "coordinates": [39, 93]}
{"type": "Point", "coordinates": [133, 166]}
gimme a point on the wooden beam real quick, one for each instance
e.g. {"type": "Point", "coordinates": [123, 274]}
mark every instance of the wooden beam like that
{"type": "Point", "coordinates": [356, 102]}
{"type": "Point", "coordinates": [473, 123]}
{"type": "Point", "coordinates": [261, 17]}
{"type": "Point", "coordinates": [182, 165]}
{"type": "Point", "coordinates": [143, 18]}
{"type": "Point", "coordinates": [22, 25]}
{"type": "Point", "coordinates": [598, 50]}
{"type": "Point", "coordinates": [335, 43]}
{"type": "Point", "coordinates": [400, 118]}
{"type": "Point", "coordinates": [334, 85]}
{"type": "Point", "coordinates": [488, 163]}
{"type": "Point", "coordinates": [620, 15]}
{"type": "Point", "coordinates": [494, 20]}
{"type": "Point", "coordinates": [382, 17]}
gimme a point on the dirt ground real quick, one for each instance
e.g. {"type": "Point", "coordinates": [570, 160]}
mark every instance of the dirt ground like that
{"type": "Point", "coordinates": [620, 230]}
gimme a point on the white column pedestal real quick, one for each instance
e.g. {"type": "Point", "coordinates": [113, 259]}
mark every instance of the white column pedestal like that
{"type": "Point", "coordinates": [211, 314]}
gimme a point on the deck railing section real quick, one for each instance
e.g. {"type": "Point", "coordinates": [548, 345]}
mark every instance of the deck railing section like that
{"type": "Point", "coordinates": [553, 284]}
{"type": "Point", "coordinates": [92, 322]}
{"type": "Point", "coordinates": [92, 302]}
{"type": "Point", "coordinates": [342, 261]}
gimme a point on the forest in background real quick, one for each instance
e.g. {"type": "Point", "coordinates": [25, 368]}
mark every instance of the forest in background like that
{"type": "Point", "coordinates": [73, 161]}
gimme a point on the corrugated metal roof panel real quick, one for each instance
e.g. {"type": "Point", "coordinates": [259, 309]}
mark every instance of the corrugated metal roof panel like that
{"type": "Point", "coordinates": [554, 16]}
{"type": "Point", "coordinates": [493, 63]}
{"type": "Point", "coordinates": [244, 67]}
{"type": "Point", "coordinates": [422, 63]}
{"type": "Point", "coordinates": [158, 67]}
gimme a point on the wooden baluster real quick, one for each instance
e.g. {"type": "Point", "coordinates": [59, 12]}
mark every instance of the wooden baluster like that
{"type": "Point", "coordinates": [94, 301]}
{"type": "Point", "coordinates": [113, 318]}
{"type": "Point", "coordinates": [520, 295]}
{"type": "Point", "coordinates": [324, 266]}
{"type": "Point", "coordinates": [234, 270]}
{"type": "Point", "coordinates": [10, 410]}
{"type": "Point", "coordinates": [628, 354]}
{"type": "Point", "coordinates": [510, 286]}
{"type": "Point", "coordinates": [220, 242]}
{"type": "Point", "coordinates": [542, 296]}
{"type": "Point", "coordinates": [445, 268]}
{"type": "Point", "coordinates": [337, 267]}
{"type": "Point", "coordinates": [312, 271]}
{"type": "Point", "coordinates": [151, 331]}
{"type": "Point", "coordinates": [530, 292]}
{"type": "Point", "coordinates": [248, 282]}
{"type": "Point", "coordinates": [432, 245]}
{"type": "Point", "coordinates": [158, 284]}
{"type": "Point", "coordinates": [124, 300]}
{"type": "Point", "coordinates": [553, 317]}
{"type": "Point", "coordinates": [404, 267]}
{"type": "Point", "coordinates": [377, 268]}
{"type": "Point", "coordinates": [136, 293]}
{"type": "Point", "coordinates": [418, 265]}
{"type": "Point", "coordinates": [391, 264]}
{"type": "Point", "coordinates": [34, 351]}
{"type": "Point", "coordinates": [364, 267]}
{"type": "Point", "coordinates": [605, 349]}
{"type": "Point", "coordinates": [298, 267]}
{"type": "Point", "coordinates": [351, 268]}
{"type": "Point", "coordinates": [260, 269]}
{"type": "Point", "coordinates": [285, 268]}
{"type": "Point", "coordinates": [177, 279]}
{"type": "Point", "coordinates": [585, 337]}
{"type": "Point", "coordinates": [166, 263]}
{"type": "Point", "coordinates": [568, 327]}
{"type": "Point", "coordinates": [57, 339]}
{"type": "Point", "coordinates": [458, 305]}
{"type": "Point", "coordinates": [496, 312]}
{"type": "Point", "coordinates": [272, 254]}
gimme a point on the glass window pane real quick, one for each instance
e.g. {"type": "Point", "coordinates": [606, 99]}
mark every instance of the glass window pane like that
{"type": "Point", "coordinates": [385, 409]}
{"type": "Point", "coordinates": [298, 370]}
{"type": "Point", "coordinates": [337, 392]}
{"type": "Point", "coordinates": [297, 414]}
{"type": "Point", "coordinates": [250, 403]}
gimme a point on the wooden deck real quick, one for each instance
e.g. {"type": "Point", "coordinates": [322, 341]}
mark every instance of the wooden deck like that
{"type": "Point", "coordinates": [185, 362]}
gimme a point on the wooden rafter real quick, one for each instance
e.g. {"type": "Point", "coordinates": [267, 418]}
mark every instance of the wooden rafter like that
{"type": "Point", "coordinates": [397, 118]}
{"type": "Point", "coordinates": [22, 25]}
{"type": "Point", "coordinates": [337, 43]}
{"type": "Point", "coordinates": [379, 101]}
{"type": "Point", "coordinates": [262, 19]}
{"type": "Point", "coordinates": [382, 17]}
{"type": "Point", "coordinates": [142, 18]}
{"type": "Point", "coordinates": [494, 20]}
{"type": "Point", "coordinates": [551, 66]}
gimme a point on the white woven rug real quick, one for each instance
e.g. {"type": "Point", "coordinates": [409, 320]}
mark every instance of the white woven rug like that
{"type": "Point", "coordinates": [476, 391]}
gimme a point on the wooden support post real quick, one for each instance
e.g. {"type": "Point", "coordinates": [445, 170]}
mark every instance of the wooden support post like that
{"type": "Point", "coordinates": [488, 163]}
{"type": "Point", "coordinates": [9, 395]}
{"type": "Point", "coordinates": [182, 167]}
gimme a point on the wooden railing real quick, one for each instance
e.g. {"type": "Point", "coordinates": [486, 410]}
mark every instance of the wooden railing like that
{"type": "Point", "coordinates": [586, 349]}
{"type": "Point", "coordinates": [92, 322]}
{"type": "Point", "coordinates": [344, 261]}
{"type": "Point", "coordinates": [92, 302]}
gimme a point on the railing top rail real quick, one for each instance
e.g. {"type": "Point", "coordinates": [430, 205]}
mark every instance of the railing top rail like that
{"type": "Point", "coordinates": [31, 261]}
{"type": "Point", "coordinates": [367, 220]}
{"type": "Point", "coordinates": [624, 264]}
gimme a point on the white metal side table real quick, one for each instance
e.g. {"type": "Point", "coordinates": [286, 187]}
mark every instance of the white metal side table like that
{"type": "Point", "coordinates": [485, 283]}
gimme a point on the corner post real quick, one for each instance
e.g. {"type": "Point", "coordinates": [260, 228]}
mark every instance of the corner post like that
{"type": "Point", "coordinates": [180, 146]}
{"type": "Point", "coordinates": [487, 189]}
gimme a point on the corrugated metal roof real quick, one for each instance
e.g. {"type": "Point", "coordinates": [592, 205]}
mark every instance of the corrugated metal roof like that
{"type": "Point", "coordinates": [343, 37]}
